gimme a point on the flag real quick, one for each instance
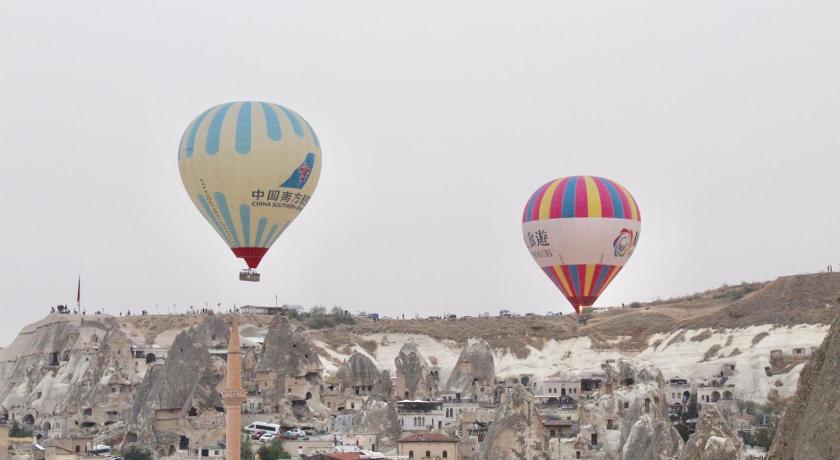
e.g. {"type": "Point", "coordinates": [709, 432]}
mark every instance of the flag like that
{"type": "Point", "coordinates": [79, 292]}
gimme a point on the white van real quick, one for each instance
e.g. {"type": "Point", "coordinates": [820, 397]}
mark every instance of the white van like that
{"type": "Point", "coordinates": [101, 450]}
{"type": "Point", "coordinates": [263, 426]}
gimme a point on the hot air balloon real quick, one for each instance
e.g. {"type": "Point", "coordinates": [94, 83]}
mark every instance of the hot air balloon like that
{"type": "Point", "coordinates": [581, 230]}
{"type": "Point", "coordinates": [250, 168]}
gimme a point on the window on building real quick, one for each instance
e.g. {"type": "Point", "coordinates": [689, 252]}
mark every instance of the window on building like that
{"type": "Point", "coordinates": [411, 454]}
{"type": "Point", "coordinates": [428, 454]}
{"type": "Point", "coordinates": [445, 454]}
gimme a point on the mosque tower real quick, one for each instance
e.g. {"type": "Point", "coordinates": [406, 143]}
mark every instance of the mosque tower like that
{"type": "Point", "coordinates": [233, 395]}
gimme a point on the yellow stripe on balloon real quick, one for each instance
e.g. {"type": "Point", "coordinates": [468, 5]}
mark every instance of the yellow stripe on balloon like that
{"type": "Point", "coordinates": [634, 209]}
{"type": "Point", "coordinates": [566, 289]}
{"type": "Point", "coordinates": [587, 284]}
{"type": "Point", "coordinates": [545, 203]}
{"type": "Point", "coordinates": [593, 197]}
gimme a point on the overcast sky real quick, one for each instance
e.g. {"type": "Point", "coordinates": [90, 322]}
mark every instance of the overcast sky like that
{"type": "Point", "coordinates": [437, 121]}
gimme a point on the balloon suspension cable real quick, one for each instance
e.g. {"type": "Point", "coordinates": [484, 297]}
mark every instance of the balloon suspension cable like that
{"type": "Point", "coordinates": [249, 275]}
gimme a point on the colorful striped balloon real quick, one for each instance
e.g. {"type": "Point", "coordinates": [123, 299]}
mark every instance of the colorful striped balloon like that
{"type": "Point", "coordinates": [581, 230]}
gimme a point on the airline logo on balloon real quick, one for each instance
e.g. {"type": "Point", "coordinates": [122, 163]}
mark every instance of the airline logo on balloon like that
{"type": "Point", "coordinates": [302, 173]}
{"type": "Point", "coordinates": [625, 242]}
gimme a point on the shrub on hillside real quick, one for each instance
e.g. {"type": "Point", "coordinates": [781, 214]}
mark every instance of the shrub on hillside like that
{"type": "Point", "coordinates": [136, 453]}
{"type": "Point", "coordinates": [319, 318]}
{"type": "Point", "coordinates": [273, 451]}
{"type": "Point", "coordinates": [19, 431]}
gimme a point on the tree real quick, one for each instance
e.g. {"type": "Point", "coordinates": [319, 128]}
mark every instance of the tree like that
{"type": "Point", "coordinates": [692, 410]}
{"type": "Point", "coordinates": [18, 431]}
{"type": "Point", "coordinates": [763, 437]}
{"type": "Point", "coordinates": [245, 451]}
{"type": "Point", "coordinates": [683, 430]}
{"type": "Point", "coordinates": [136, 453]}
{"type": "Point", "coordinates": [272, 451]}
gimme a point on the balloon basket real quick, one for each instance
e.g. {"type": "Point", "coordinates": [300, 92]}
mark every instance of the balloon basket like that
{"type": "Point", "coordinates": [249, 275]}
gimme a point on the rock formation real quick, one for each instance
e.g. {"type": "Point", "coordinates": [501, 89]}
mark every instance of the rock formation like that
{"type": "Point", "coordinates": [360, 376]}
{"type": "Point", "coordinates": [651, 439]}
{"type": "Point", "coordinates": [414, 377]}
{"type": "Point", "coordinates": [48, 366]}
{"type": "Point", "coordinates": [629, 418]}
{"type": "Point", "coordinates": [517, 432]}
{"type": "Point", "coordinates": [713, 439]}
{"type": "Point", "coordinates": [475, 371]}
{"type": "Point", "coordinates": [380, 417]}
{"type": "Point", "coordinates": [810, 425]}
{"type": "Point", "coordinates": [287, 353]}
{"type": "Point", "coordinates": [181, 395]}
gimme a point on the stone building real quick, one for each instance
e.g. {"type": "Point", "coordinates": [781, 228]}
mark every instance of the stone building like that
{"type": "Point", "coordinates": [420, 415]}
{"type": "Point", "coordinates": [431, 446]}
{"type": "Point", "coordinates": [4, 442]}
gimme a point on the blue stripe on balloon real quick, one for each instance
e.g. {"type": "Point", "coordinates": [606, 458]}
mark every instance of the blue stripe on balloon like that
{"type": "Point", "coordinates": [312, 132]}
{"type": "Point", "coordinates": [214, 132]}
{"type": "Point", "coordinates": [260, 230]}
{"type": "Point", "coordinates": [243, 129]}
{"type": "Point", "coordinates": [245, 218]}
{"type": "Point", "coordinates": [269, 236]}
{"type": "Point", "coordinates": [601, 277]}
{"type": "Point", "coordinates": [573, 270]}
{"type": "Point", "coordinates": [194, 131]}
{"type": "Point", "coordinates": [221, 200]}
{"type": "Point", "coordinates": [569, 198]}
{"type": "Point", "coordinates": [282, 229]}
{"type": "Point", "coordinates": [618, 206]}
{"type": "Point", "coordinates": [272, 123]}
{"type": "Point", "coordinates": [298, 129]}
{"type": "Point", "coordinates": [208, 214]}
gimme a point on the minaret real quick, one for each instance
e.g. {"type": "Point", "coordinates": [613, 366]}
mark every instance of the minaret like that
{"type": "Point", "coordinates": [233, 395]}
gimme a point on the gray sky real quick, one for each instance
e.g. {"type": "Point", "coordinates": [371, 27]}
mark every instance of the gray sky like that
{"type": "Point", "coordinates": [437, 121]}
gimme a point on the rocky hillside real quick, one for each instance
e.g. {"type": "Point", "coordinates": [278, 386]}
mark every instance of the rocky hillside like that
{"type": "Point", "coordinates": [147, 378]}
{"type": "Point", "coordinates": [810, 426]}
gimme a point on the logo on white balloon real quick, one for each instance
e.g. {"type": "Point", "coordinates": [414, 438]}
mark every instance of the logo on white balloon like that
{"type": "Point", "coordinates": [624, 243]}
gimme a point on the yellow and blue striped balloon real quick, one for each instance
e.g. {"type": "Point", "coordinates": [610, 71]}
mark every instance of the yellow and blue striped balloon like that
{"type": "Point", "coordinates": [249, 168]}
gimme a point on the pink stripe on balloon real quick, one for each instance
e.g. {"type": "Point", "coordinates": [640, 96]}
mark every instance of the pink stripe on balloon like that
{"type": "Point", "coordinates": [581, 206]}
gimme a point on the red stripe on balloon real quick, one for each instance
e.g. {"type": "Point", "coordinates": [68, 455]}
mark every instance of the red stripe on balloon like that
{"type": "Point", "coordinates": [581, 206]}
{"type": "Point", "coordinates": [604, 195]}
{"type": "Point", "coordinates": [556, 208]}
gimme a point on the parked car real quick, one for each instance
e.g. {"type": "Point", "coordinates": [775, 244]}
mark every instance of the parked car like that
{"type": "Point", "coordinates": [268, 437]}
{"type": "Point", "coordinates": [294, 433]}
{"type": "Point", "coordinates": [257, 434]}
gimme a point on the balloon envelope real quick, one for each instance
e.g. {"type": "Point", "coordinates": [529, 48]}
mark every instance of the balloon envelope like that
{"type": "Point", "coordinates": [581, 230]}
{"type": "Point", "coordinates": [249, 168]}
